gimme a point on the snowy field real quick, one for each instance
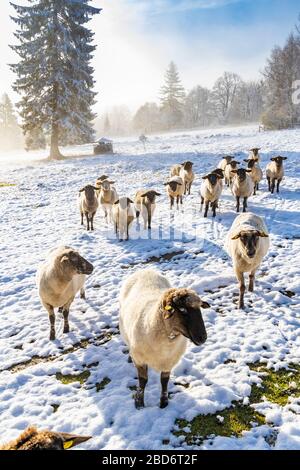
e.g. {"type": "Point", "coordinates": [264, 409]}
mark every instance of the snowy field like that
{"type": "Point", "coordinates": [40, 212]}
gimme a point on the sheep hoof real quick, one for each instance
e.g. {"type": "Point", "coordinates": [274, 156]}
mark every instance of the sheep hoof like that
{"type": "Point", "coordinates": [66, 329]}
{"type": "Point", "coordinates": [163, 402]}
{"type": "Point", "coordinates": [82, 295]}
{"type": "Point", "coordinates": [129, 360]}
{"type": "Point", "coordinates": [139, 402]}
{"type": "Point", "coordinates": [52, 335]}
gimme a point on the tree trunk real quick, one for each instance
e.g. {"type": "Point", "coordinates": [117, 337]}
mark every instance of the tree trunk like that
{"type": "Point", "coordinates": [54, 149]}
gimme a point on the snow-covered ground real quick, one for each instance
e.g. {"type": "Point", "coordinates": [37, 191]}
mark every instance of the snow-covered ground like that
{"type": "Point", "coordinates": [41, 212]}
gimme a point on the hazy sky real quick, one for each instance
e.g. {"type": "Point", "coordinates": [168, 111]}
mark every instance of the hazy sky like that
{"type": "Point", "coordinates": [138, 38]}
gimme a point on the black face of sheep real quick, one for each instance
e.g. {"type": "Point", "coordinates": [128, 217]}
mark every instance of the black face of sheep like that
{"type": "Point", "coordinates": [219, 172]}
{"type": "Point", "coordinates": [234, 164]}
{"type": "Point", "coordinates": [187, 165]}
{"type": "Point", "coordinates": [251, 162]}
{"type": "Point", "coordinates": [173, 185]}
{"type": "Point", "coordinates": [255, 151]}
{"type": "Point", "coordinates": [89, 191]}
{"type": "Point", "coordinates": [278, 160]}
{"type": "Point", "coordinates": [250, 241]}
{"type": "Point", "coordinates": [213, 178]}
{"type": "Point", "coordinates": [184, 309]}
{"type": "Point", "coordinates": [150, 196]}
{"type": "Point", "coordinates": [228, 158]}
{"type": "Point", "coordinates": [77, 263]}
{"type": "Point", "coordinates": [241, 174]}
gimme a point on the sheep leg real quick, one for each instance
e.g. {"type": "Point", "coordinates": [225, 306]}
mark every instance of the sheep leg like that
{"type": "Point", "coordinates": [269, 183]}
{"type": "Point", "coordinates": [214, 207]}
{"type": "Point", "coordinates": [238, 204]}
{"type": "Point", "coordinates": [202, 202]}
{"type": "Point", "coordinates": [143, 379]}
{"type": "Point", "coordinates": [251, 282]}
{"type": "Point", "coordinates": [241, 280]}
{"type": "Point", "coordinates": [92, 220]}
{"type": "Point", "coordinates": [278, 184]}
{"type": "Point", "coordinates": [66, 310]}
{"type": "Point", "coordinates": [273, 186]}
{"type": "Point", "coordinates": [206, 209]}
{"type": "Point", "coordinates": [81, 218]}
{"type": "Point", "coordinates": [181, 200]}
{"type": "Point", "coordinates": [177, 202]}
{"type": "Point", "coordinates": [149, 219]}
{"type": "Point", "coordinates": [171, 202]}
{"type": "Point", "coordinates": [164, 380]}
{"type": "Point", "coordinates": [254, 191]}
{"type": "Point", "coordinates": [82, 293]}
{"type": "Point", "coordinates": [51, 314]}
{"type": "Point", "coordinates": [87, 220]}
{"type": "Point", "coordinates": [189, 185]}
{"type": "Point", "coordinates": [245, 205]}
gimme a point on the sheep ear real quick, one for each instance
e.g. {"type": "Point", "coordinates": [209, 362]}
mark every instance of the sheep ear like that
{"type": "Point", "coordinates": [144, 195]}
{"type": "Point", "coordinates": [284, 158]}
{"type": "Point", "coordinates": [236, 237]}
{"type": "Point", "coordinates": [205, 177]}
{"type": "Point", "coordinates": [64, 259]}
{"type": "Point", "coordinates": [157, 194]}
{"type": "Point", "coordinates": [179, 184]}
{"type": "Point", "coordinates": [166, 184]}
{"type": "Point", "coordinates": [94, 187]}
{"type": "Point", "coordinates": [204, 304]}
{"type": "Point", "coordinates": [247, 161]}
{"type": "Point", "coordinates": [71, 440]}
{"type": "Point", "coordinates": [273, 159]}
{"type": "Point", "coordinates": [81, 190]}
{"type": "Point", "coordinates": [117, 202]}
{"type": "Point", "coordinates": [248, 171]}
{"type": "Point", "coordinates": [111, 182]}
{"type": "Point", "coordinates": [263, 234]}
{"type": "Point", "coordinates": [233, 171]}
{"type": "Point", "coordinates": [129, 201]}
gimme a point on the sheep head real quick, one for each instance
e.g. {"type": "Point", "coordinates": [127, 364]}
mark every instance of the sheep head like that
{"type": "Point", "coordinates": [213, 178]}
{"type": "Point", "coordinates": [249, 240]}
{"type": "Point", "coordinates": [241, 174]}
{"type": "Point", "coordinates": [150, 196]}
{"type": "Point", "coordinates": [32, 439]}
{"type": "Point", "coordinates": [278, 160]}
{"type": "Point", "coordinates": [105, 184]}
{"type": "Point", "coordinates": [255, 151]}
{"type": "Point", "coordinates": [251, 162]}
{"type": "Point", "coordinates": [233, 164]}
{"type": "Point", "coordinates": [71, 262]}
{"type": "Point", "coordinates": [89, 192]}
{"type": "Point", "coordinates": [182, 314]}
{"type": "Point", "coordinates": [173, 185]}
{"type": "Point", "coordinates": [187, 165]}
{"type": "Point", "coordinates": [220, 172]}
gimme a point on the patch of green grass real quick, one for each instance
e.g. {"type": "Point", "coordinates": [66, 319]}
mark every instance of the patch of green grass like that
{"type": "Point", "coordinates": [277, 386]}
{"type": "Point", "coordinates": [101, 385]}
{"type": "Point", "coordinates": [5, 185]}
{"type": "Point", "coordinates": [237, 418]}
{"type": "Point", "coordinates": [71, 378]}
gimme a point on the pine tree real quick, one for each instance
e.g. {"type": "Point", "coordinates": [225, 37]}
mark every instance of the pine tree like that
{"type": "Point", "coordinates": [172, 97]}
{"type": "Point", "coordinates": [107, 126]}
{"type": "Point", "coordinates": [54, 75]}
{"type": "Point", "coordinates": [10, 131]}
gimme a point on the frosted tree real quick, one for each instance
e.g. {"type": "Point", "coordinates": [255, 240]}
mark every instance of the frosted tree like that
{"type": "Point", "coordinates": [147, 118]}
{"type": "Point", "coordinates": [197, 108]}
{"type": "Point", "coordinates": [172, 97]}
{"type": "Point", "coordinates": [54, 74]}
{"type": "Point", "coordinates": [10, 132]}
{"type": "Point", "coordinates": [224, 93]}
{"type": "Point", "coordinates": [282, 70]}
{"type": "Point", "coordinates": [247, 105]}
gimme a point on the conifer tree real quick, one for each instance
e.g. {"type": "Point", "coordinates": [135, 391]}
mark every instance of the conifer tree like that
{"type": "Point", "coordinates": [172, 97]}
{"type": "Point", "coordinates": [54, 74]}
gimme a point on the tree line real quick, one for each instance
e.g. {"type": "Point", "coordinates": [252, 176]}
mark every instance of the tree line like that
{"type": "Point", "coordinates": [54, 78]}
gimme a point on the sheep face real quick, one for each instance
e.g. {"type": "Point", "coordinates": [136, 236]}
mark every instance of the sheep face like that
{"type": "Point", "coordinates": [255, 151]}
{"type": "Point", "coordinates": [228, 159]}
{"type": "Point", "coordinates": [187, 165]}
{"type": "Point", "coordinates": [89, 192]}
{"type": "Point", "coordinates": [278, 161]}
{"type": "Point", "coordinates": [105, 185]}
{"type": "Point", "coordinates": [124, 202]}
{"type": "Point", "coordinates": [31, 439]}
{"type": "Point", "coordinates": [213, 178]}
{"type": "Point", "coordinates": [71, 261]}
{"type": "Point", "coordinates": [241, 174]}
{"type": "Point", "coordinates": [182, 308]}
{"type": "Point", "coordinates": [249, 242]}
{"type": "Point", "coordinates": [219, 172]}
{"type": "Point", "coordinates": [251, 163]}
{"type": "Point", "coordinates": [173, 185]}
{"type": "Point", "coordinates": [150, 196]}
{"type": "Point", "coordinates": [233, 164]}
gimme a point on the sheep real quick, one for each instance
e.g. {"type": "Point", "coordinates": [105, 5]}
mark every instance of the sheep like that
{"type": "Point", "coordinates": [232, 165]}
{"type": "Point", "coordinates": [224, 162]}
{"type": "Point", "coordinates": [32, 439]}
{"type": "Point", "coordinates": [175, 189]}
{"type": "Point", "coordinates": [254, 154]}
{"type": "Point", "coordinates": [107, 197]}
{"type": "Point", "coordinates": [210, 192]}
{"type": "Point", "coordinates": [256, 173]}
{"type": "Point", "coordinates": [155, 323]}
{"type": "Point", "coordinates": [188, 176]}
{"type": "Point", "coordinates": [123, 215]}
{"type": "Point", "coordinates": [242, 186]}
{"type": "Point", "coordinates": [247, 243]}
{"type": "Point", "coordinates": [175, 170]}
{"type": "Point", "coordinates": [59, 278]}
{"type": "Point", "coordinates": [88, 205]}
{"type": "Point", "coordinates": [144, 202]}
{"type": "Point", "coordinates": [275, 171]}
